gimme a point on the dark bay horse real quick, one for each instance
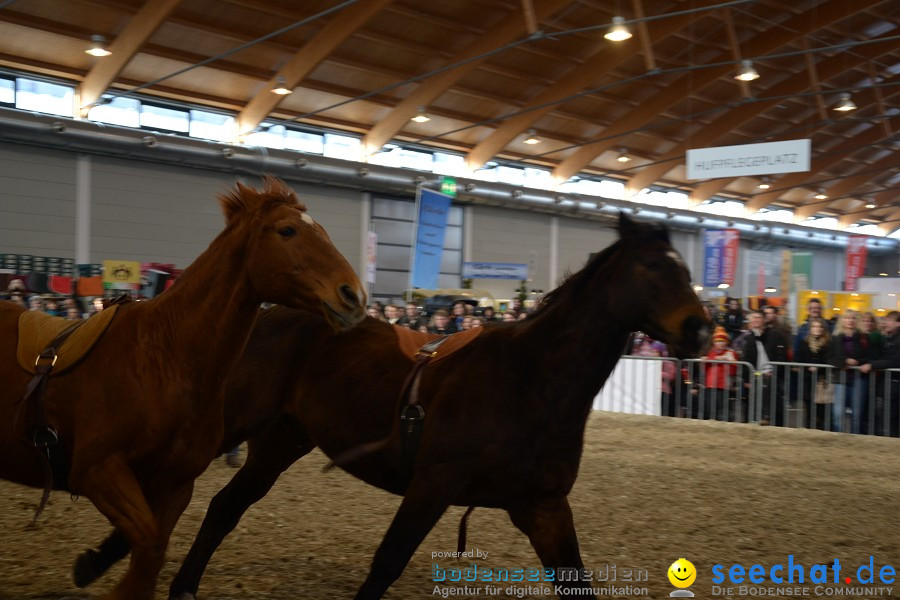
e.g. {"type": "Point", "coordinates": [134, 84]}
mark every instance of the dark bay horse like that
{"type": "Point", "coordinates": [141, 416]}
{"type": "Point", "coordinates": [504, 415]}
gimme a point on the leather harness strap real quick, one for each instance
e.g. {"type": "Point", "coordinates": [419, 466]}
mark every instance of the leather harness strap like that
{"type": "Point", "coordinates": [44, 438]}
{"type": "Point", "coordinates": [412, 412]}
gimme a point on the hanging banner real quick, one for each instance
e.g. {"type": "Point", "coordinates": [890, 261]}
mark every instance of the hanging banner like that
{"type": "Point", "coordinates": [720, 256]}
{"type": "Point", "coordinates": [431, 223]}
{"type": "Point", "coordinates": [786, 260]}
{"type": "Point", "coordinates": [371, 256]}
{"type": "Point", "coordinates": [768, 158]}
{"type": "Point", "coordinates": [856, 261]}
{"type": "Point", "coordinates": [761, 280]}
{"type": "Point", "coordinates": [801, 271]}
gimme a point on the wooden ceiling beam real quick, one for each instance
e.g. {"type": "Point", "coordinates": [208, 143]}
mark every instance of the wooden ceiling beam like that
{"type": "Point", "coordinates": [818, 166]}
{"type": "Point", "coordinates": [814, 80]}
{"type": "Point", "coordinates": [135, 34]}
{"type": "Point", "coordinates": [782, 35]}
{"type": "Point", "coordinates": [828, 68]}
{"type": "Point", "coordinates": [306, 59]}
{"type": "Point", "coordinates": [735, 50]}
{"type": "Point", "coordinates": [436, 85]}
{"type": "Point", "coordinates": [644, 35]}
{"type": "Point", "coordinates": [848, 185]}
{"type": "Point", "coordinates": [881, 200]}
{"type": "Point", "coordinates": [608, 58]}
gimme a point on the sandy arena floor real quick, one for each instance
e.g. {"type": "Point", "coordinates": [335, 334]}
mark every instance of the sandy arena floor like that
{"type": "Point", "coordinates": [650, 491]}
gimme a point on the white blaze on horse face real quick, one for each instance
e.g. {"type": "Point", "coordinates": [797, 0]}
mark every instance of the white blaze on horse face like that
{"type": "Point", "coordinates": [307, 219]}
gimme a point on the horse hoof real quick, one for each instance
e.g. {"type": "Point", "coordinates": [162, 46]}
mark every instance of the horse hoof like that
{"type": "Point", "coordinates": [85, 571]}
{"type": "Point", "coordinates": [183, 596]}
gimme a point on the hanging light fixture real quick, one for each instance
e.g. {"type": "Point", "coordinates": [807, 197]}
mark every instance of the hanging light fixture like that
{"type": "Point", "coordinates": [98, 46]}
{"type": "Point", "coordinates": [618, 32]}
{"type": "Point", "coordinates": [280, 87]}
{"type": "Point", "coordinates": [746, 72]}
{"type": "Point", "coordinates": [532, 138]}
{"type": "Point", "coordinates": [845, 104]}
{"type": "Point", "coordinates": [421, 117]}
{"type": "Point", "coordinates": [870, 203]}
{"type": "Point", "coordinates": [764, 184]}
{"type": "Point", "coordinates": [623, 156]}
{"type": "Point", "coordinates": [821, 195]}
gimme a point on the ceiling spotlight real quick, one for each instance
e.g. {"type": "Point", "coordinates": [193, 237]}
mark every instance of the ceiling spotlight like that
{"type": "Point", "coordinates": [421, 117]}
{"type": "Point", "coordinates": [845, 104]}
{"type": "Point", "coordinates": [764, 184]}
{"type": "Point", "coordinates": [746, 72]}
{"type": "Point", "coordinates": [724, 286]}
{"type": "Point", "coordinates": [821, 195]}
{"type": "Point", "coordinates": [98, 46]}
{"type": "Point", "coordinates": [623, 156]}
{"type": "Point", "coordinates": [280, 87]}
{"type": "Point", "coordinates": [532, 138]}
{"type": "Point", "coordinates": [618, 32]}
{"type": "Point", "coordinates": [770, 290]}
{"type": "Point", "coordinates": [871, 204]}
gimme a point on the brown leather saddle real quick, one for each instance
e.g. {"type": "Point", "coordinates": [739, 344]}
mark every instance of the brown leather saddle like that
{"type": "Point", "coordinates": [38, 330]}
{"type": "Point", "coordinates": [412, 343]}
{"type": "Point", "coordinates": [49, 346]}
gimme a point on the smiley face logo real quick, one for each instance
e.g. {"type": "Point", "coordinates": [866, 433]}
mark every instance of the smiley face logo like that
{"type": "Point", "coordinates": [682, 573]}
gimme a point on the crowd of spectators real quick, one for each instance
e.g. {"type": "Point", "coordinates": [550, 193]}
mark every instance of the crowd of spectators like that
{"type": "Point", "coordinates": [833, 372]}
{"type": "Point", "coordinates": [462, 316]}
{"type": "Point", "coordinates": [66, 307]}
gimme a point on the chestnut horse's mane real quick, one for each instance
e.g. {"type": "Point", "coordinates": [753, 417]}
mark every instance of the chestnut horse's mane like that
{"type": "Point", "coordinates": [574, 283]}
{"type": "Point", "coordinates": [243, 198]}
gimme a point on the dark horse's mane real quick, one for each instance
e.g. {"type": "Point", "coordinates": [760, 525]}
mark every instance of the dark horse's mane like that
{"type": "Point", "coordinates": [574, 284]}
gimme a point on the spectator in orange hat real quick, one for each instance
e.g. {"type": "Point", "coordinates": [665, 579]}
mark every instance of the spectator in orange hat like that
{"type": "Point", "coordinates": [718, 376]}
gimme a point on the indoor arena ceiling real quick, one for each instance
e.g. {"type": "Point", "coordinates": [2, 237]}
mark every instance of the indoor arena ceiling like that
{"type": "Point", "coordinates": [491, 74]}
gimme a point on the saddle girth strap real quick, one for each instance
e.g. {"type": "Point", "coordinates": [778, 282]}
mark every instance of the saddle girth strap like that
{"type": "Point", "coordinates": [412, 414]}
{"type": "Point", "coordinates": [44, 438]}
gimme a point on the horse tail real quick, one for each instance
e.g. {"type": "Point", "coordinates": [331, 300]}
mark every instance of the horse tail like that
{"type": "Point", "coordinates": [463, 525]}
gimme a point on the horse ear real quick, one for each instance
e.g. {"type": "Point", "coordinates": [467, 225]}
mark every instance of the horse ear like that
{"type": "Point", "coordinates": [235, 201]}
{"type": "Point", "coordinates": [627, 227]}
{"type": "Point", "coordinates": [631, 228]}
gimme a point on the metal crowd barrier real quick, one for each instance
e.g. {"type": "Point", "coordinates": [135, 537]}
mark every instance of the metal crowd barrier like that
{"type": "Point", "coordinates": [781, 394]}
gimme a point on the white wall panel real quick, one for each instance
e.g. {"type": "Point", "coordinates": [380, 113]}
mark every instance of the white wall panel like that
{"type": "Point", "coordinates": [578, 239]}
{"type": "Point", "coordinates": [37, 201]}
{"type": "Point", "coordinates": [150, 212]}
{"type": "Point", "coordinates": [503, 235]}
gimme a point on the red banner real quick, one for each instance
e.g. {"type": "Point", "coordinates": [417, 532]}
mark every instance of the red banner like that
{"type": "Point", "coordinates": [729, 264]}
{"type": "Point", "coordinates": [856, 261]}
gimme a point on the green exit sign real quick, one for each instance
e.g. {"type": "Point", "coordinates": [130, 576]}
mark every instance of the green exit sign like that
{"type": "Point", "coordinates": [448, 186]}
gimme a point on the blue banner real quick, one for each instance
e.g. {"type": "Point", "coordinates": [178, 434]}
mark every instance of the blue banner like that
{"type": "Point", "coordinates": [720, 256]}
{"type": "Point", "coordinates": [430, 226]}
{"type": "Point", "coordinates": [486, 270]}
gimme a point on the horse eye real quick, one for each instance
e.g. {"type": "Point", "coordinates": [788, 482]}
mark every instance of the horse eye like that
{"type": "Point", "coordinates": [287, 232]}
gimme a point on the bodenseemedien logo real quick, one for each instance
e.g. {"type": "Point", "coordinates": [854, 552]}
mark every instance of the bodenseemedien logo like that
{"type": "Point", "coordinates": [682, 575]}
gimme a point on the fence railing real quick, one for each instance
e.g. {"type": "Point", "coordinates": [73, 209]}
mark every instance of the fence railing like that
{"type": "Point", "coordinates": [788, 394]}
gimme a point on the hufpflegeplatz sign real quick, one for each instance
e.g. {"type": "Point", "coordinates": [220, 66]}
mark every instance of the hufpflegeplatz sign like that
{"type": "Point", "coordinates": [769, 158]}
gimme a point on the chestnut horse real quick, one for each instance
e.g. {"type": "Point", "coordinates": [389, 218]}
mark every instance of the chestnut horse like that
{"type": "Point", "coordinates": [504, 415]}
{"type": "Point", "coordinates": [141, 416]}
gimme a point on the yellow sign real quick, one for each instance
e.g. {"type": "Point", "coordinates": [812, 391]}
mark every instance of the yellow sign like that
{"type": "Point", "coordinates": [121, 271]}
{"type": "Point", "coordinates": [843, 301]}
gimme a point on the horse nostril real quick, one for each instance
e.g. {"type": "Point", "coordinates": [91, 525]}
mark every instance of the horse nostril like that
{"type": "Point", "coordinates": [348, 295]}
